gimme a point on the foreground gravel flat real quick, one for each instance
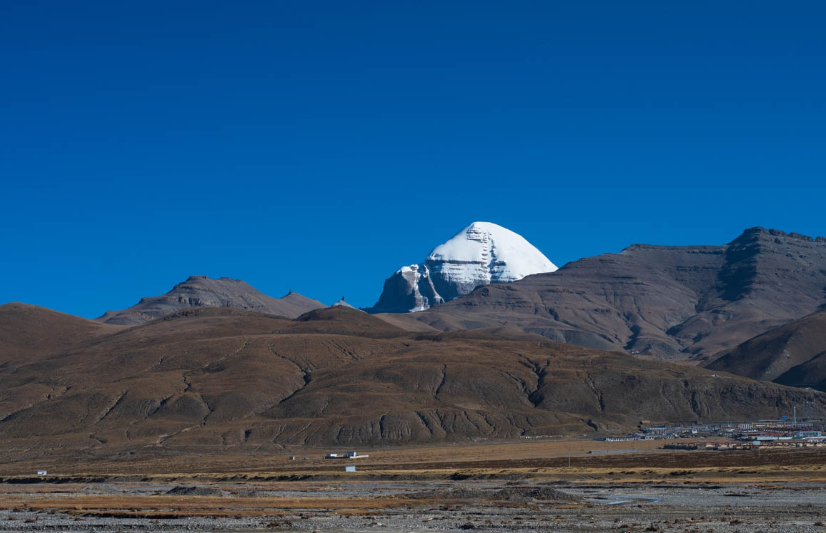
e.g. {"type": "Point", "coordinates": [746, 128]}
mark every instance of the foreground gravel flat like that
{"type": "Point", "coordinates": [439, 506]}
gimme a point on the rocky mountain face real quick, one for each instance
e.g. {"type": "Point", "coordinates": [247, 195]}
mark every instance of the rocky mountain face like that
{"type": "Point", "coordinates": [480, 254]}
{"type": "Point", "coordinates": [201, 291]}
{"type": "Point", "coordinates": [222, 378]}
{"type": "Point", "coordinates": [793, 354]}
{"type": "Point", "coordinates": [661, 302]}
{"type": "Point", "coordinates": [410, 289]}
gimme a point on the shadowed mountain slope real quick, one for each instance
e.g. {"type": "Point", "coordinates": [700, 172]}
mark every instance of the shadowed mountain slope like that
{"type": "Point", "coordinates": [221, 378]}
{"type": "Point", "coordinates": [793, 354]}
{"type": "Point", "coordinates": [201, 291]}
{"type": "Point", "coordinates": [662, 302]}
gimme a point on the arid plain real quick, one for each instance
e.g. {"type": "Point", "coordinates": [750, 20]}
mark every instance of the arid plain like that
{"type": "Point", "coordinates": [525, 485]}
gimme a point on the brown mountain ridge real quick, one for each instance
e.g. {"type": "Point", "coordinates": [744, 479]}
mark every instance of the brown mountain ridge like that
{"type": "Point", "coordinates": [202, 291]}
{"type": "Point", "coordinates": [660, 302]}
{"type": "Point", "coordinates": [213, 379]}
{"type": "Point", "coordinates": [29, 331]}
{"type": "Point", "coordinates": [793, 354]}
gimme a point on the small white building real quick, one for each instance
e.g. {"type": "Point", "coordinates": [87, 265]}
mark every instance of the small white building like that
{"type": "Point", "coordinates": [354, 455]}
{"type": "Point", "coordinates": [42, 473]}
{"type": "Point", "coordinates": [350, 468]}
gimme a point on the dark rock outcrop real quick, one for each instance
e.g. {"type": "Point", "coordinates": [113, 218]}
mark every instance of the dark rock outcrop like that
{"type": "Point", "coordinates": [409, 289]}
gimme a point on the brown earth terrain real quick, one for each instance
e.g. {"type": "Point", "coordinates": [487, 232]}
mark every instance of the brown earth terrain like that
{"type": "Point", "coordinates": [224, 379]}
{"type": "Point", "coordinates": [28, 332]}
{"type": "Point", "coordinates": [793, 354]}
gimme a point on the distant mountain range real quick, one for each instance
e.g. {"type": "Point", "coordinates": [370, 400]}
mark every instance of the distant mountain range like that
{"type": "Point", "coordinates": [201, 291]}
{"type": "Point", "coordinates": [661, 302]}
{"type": "Point", "coordinates": [215, 364]}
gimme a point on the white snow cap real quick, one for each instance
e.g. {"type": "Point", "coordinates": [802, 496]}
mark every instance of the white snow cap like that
{"type": "Point", "coordinates": [490, 251]}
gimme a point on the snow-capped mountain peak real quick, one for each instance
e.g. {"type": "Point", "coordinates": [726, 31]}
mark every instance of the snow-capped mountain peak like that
{"type": "Point", "coordinates": [480, 254]}
{"type": "Point", "coordinates": [487, 252]}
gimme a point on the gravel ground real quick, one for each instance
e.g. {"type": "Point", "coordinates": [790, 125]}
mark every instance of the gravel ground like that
{"type": "Point", "coordinates": [694, 508]}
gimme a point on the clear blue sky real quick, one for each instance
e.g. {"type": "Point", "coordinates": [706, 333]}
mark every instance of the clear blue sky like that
{"type": "Point", "coordinates": [318, 146]}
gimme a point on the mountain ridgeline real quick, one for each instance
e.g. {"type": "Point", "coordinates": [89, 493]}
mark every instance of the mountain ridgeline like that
{"type": "Point", "coordinates": [216, 365]}
{"type": "Point", "coordinates": [793, 354]}
{"type": "Point", "coordinates": [201, 291]}
{"type": "Point", "coordinates": [662, 302]}
{"type": "Point", "coordinates": [222, 379]}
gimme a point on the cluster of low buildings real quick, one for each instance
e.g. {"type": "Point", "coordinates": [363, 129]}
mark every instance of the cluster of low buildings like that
{"type": "Point", "coordinates": [786, 442]}
{"type": "Point", "coordinates": [737, 435]}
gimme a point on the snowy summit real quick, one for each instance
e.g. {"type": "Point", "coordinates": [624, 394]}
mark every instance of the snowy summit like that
{"type": "Point", "coordinates": [487, 252]}
{"type": "Point", "coordinates": [480, 254]}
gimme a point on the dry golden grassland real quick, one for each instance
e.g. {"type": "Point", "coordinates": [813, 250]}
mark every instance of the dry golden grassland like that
{"type": "Point", "coordinates": [571, 460]}
{"type": "Point", "coordinates": [444, 455]}
{"type": "Point", "coordinates": [391, 482]}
